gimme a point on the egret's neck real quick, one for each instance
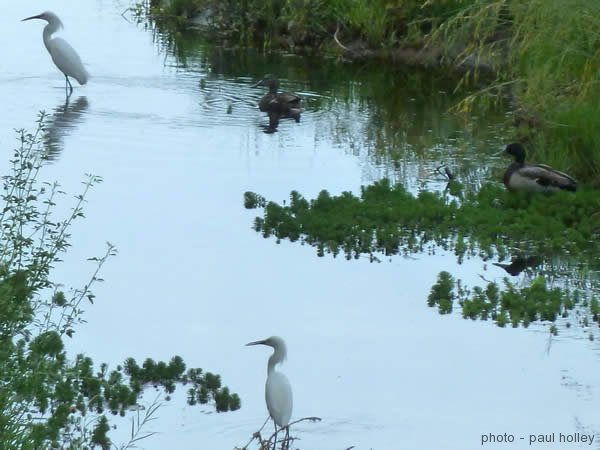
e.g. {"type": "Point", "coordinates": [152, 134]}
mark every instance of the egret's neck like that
{"type": "Point", "coordinates": [271, 365]}
{"type": "Point", "coordinates": [277, 357]}
{"type": "Point", "coordinates": [52, 27]}
{"type": "Point", "coordinates": [49, 30]}
{"type": "Point", "coordinates": [273, 87]}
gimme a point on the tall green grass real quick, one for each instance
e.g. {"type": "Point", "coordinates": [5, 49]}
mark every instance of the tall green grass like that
{"type": "Point", "coordinates": [558, 59]}
{"type": "Point", "coordinates": [545, 56]}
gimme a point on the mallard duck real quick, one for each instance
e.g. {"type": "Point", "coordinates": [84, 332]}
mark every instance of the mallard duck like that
{"type": "Point", "coordinates": [534, 177]}
{"type": "Point", "coordinates": [285, 104]}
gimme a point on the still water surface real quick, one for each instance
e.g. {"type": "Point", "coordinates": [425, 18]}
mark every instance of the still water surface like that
{"type": "Point", "coordinates": [192, 278]}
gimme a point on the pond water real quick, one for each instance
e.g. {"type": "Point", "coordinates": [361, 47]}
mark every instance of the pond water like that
{"type": "Point", "coordinates": [177, 137]}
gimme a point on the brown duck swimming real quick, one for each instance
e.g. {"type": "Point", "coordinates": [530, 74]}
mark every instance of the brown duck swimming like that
{"type": "Point", "coordinates": [534, 177]}
{"type": "Point", "coordinates": [284, 104]}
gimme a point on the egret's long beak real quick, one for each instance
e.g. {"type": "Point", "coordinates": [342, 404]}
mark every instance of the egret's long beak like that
{"type": "Point", "coordinates": [32, 17]}
{"type": "Point", "coordinates": [256, 342]}
{"type": "Point", "coordinates": [260, 83]}
{"type": "Point", "coordinates": [501, 152]}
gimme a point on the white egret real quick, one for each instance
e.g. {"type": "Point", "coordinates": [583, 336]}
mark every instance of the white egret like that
{"type": "Point", "coordinates": [278, 391]}
{"type": "Point", "coordinates": [64, 56]}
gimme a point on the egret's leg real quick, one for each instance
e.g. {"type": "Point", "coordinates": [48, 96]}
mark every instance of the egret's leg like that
{"type": "Point", "coordinates": [68, 86]}
{"type": "Point", "coordinates": [286, 441]}
{"type": "Point", "coordinates": [275, 441]}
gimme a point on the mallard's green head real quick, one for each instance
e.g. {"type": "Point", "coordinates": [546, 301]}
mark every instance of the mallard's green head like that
{"type": "Point", "coordinates": [517, 151]}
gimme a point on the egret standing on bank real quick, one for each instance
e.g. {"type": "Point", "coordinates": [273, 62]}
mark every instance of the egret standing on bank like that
{"type": "Point", "coordinates": [64, 56]}
{"type": "Point", "coordinates": [278, 392]}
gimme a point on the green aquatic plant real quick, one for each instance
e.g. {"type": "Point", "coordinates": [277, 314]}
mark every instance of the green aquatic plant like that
{"type": "Point", "coordinates": [488, 223]}
{"type": "Point", "coordinates": [388, 219]}
{"type": "Point", "coordinates": [48, 399]}
{"type": "Point", "coordinates": [507, 304]}
{"type": "Point", "coordinates": [252, 200]}
{"type": "Point", "coordinates": [481, 303]}
{"type": "Point", "coordinates": [442, 294]}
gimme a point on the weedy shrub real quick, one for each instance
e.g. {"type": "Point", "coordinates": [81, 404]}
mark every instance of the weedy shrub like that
{"type": "Point", "coordinates": [48, 400]}
{"type": "Point", "coordinates": [376, 23]}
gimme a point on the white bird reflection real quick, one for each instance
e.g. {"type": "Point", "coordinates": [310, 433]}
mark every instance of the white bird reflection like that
{"type": "Point", "coordinates": [58, 125]}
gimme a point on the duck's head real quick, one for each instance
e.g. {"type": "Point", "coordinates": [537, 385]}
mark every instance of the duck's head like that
{"type": "Point", "coordinates": [269, 81]}
{"type": "Point", "coordinates": [517, 151]}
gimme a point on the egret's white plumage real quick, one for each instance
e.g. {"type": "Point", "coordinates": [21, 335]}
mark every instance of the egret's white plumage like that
{"type": "Point", "coordinates": [278, 394]}
{"type": "Point", "coordinates": [64, 56]}
{"type": "Point", "coordinates": [278, 391]}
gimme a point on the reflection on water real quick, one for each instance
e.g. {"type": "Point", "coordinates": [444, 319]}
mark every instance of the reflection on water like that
{"type": "Point", "coordinates": [275, 118]}
{"type": "Point", "coordinates": [519, 264]}
{"type": "Point", "coordinates": [61, 123]}
{"type": "Point", "coordinates": [396, 121]}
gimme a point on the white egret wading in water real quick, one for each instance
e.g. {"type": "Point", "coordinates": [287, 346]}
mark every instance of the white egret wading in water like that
{"type": "Point", "coordinates": [64, 56]}
{"type": "Point", "coordinates": [278, 392]}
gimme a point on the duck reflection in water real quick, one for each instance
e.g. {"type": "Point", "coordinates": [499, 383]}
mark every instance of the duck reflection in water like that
{"type": "Point", "coordinates": [519, 264]}
{"type": "Point", "coordinates": [63, 120]}
{"type": "Point", "coordinates": [274, 121]}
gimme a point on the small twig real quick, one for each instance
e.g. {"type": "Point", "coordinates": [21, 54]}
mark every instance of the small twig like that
{"type": "Point", "coordinates": [266, 445]}
{"type": "Point", "coordinates": [312, 419]}
{"type": "Point", "coordinates": [337, 41]}
{"type": "Point", "coordinates": [256, 434]}
{"type": "Point", "coordinates": [289, 438]}
{"type": "Point", "coordinates": [137, 425]}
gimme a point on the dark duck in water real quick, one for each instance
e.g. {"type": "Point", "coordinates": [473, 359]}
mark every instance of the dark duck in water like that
{"type": "Point", "coordinates": [282, 104]}
{"type": "Point", "coordinates": [534, 177]}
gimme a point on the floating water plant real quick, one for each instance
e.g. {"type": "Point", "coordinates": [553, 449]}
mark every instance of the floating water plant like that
{"type": "Point", "coordinates": [442, 293]}
{"type": "Point", "coordinates": [506, 304]}
{"type": "Point", "coordinates": [492, 222]}
{"type": "Point", "coordinates": [388, 219]}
